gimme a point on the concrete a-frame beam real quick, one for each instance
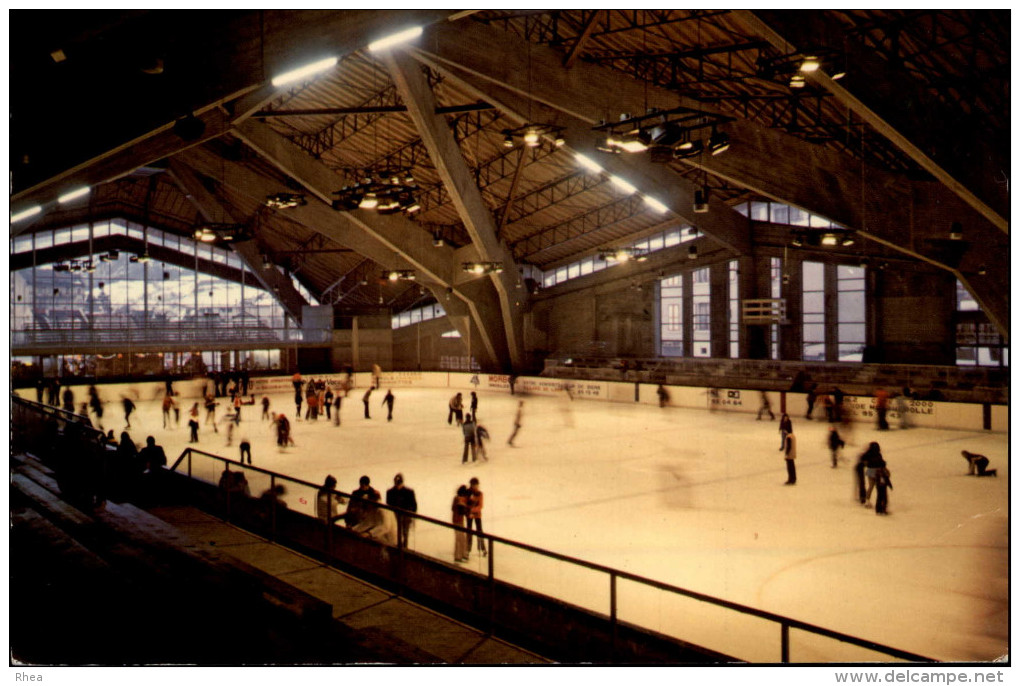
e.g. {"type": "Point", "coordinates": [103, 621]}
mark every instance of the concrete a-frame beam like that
{"type": "Point", "coordinates": [759, 27]}
{"type": "Point", "coordinates": [212, 210]}
{"type": "Point", "coordinates": [414, 90]}
{"type": "Point", "coordinates": [289, 39]}
{"type": "Point", "coordinates": [721, 222]}
{"type": "Point", "coordinates": [889, 208]}
{"type": "Point", "coordinates": [389, 240]}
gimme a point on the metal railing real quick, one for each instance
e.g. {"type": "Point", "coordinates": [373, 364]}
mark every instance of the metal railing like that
{"type": "Point", "coordinates": [526, 577]}
{"type": "Point", "coordinates": [134, 336]}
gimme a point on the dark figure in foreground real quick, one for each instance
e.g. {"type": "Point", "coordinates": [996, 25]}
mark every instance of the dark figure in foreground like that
{"type": "Point", "coordinates": [400, 496]}
{"type": "Point", "coordinates": [388, 402]}
{"type": "Point", "coordinates": [664, 396]}
{"type": "Point", "coordinates": [979, 463]}
{"type": "Point", "coordinates": [129, 407]}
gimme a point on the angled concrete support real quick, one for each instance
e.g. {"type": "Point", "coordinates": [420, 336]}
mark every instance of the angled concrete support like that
{"type": "Point", "coordinates": [446, 156]}
{"type": "Point", "coordinates": [210, 207]}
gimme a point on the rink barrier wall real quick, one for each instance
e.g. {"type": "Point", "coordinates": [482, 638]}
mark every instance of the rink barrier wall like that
{"type": "Point", "coordinates": [509, 610]}
{"type": "Point", "coordinates": [927, 414]}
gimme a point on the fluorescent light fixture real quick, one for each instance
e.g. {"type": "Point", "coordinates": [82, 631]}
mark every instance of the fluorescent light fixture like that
{"type": "Point", "coordinates": [26, 213]}
{"type": "Point", "coordinates": [623, 185]}
{"type": "Point", "coordinates": [369, 202]}
{"type": "Point", "coordinates": [656, 205]}
{"type": "Point", "coordinates": [301, 72]}
{"type": "Point", "coordinates": [73, 194]}
{"type": "Point", "coordinates": [796, 81]}
{"type": "Point", "coordinates": [632, 145]}
{"type": "Point", "coordinates": [829, 239]}
{"type": "Point", "coordinates": [589, 164]}
{"type": "Point", "coordinates": [531, 138]}
{"type": "Point", "coordinates": [395, 39]}
{"type": "Point", "coordinates": [838, 75]}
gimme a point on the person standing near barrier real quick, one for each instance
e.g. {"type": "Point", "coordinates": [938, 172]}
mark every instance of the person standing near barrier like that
{"type": "Point", "coordinates": [388, 402]}
{"type": "Point", "coordinates": [336, 409]}
{"type": "Point", "coordinates": [835, 442]}
{"type": "Point", "coordinates": [152, 456]}
{"type": "Point", "coordinates": [881, 408]}
{"type": "Point", "coordinates": [474, 405]}
{"type": "Point", "coordinates": [402, 497]}
{"type": "Point", "coordinates": [476, 500]}
{"type": "Point", "coordinates": [245, 447]}
{"type": "Point", "coordinates": [97, 405]}
{"type": "Point", "coordinates": [663, 395]}
{"type": "Point", "coordinates": [265, 407]}
{"type": "Point", "coordinates": [790, 455]}
{"type": "Point", "coordinates": [168, 404]}
{"type": "Point", "coordinates": [811, 397]}
{"type": "Point", "coordinates": [328, 502]}
{"type": "Point", "coordinates": [460, 512]}
{"type": "Point", "coordinates": [903, 408]}
{"type": "Point", "coordinates": [68, 399]}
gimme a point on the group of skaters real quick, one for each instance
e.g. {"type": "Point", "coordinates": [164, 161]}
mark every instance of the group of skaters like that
{"type": "Point", "coordinates": [475, 434]}
{"type": "Point", "coordinates": [871, 471]}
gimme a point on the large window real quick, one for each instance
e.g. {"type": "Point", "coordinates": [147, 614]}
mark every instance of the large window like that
{"type": "Point", "coordinates": [701, 303]}
{"type": "Point", "coordinates": [813, 311]}
{"type": "Point", "coordinates": [775, 292]}
{"type": "Point", "coordinates": [850, 332]}
{"type": "Point", "coordinates": [978, 342]}
{"type": "Point", "coordinates": [671, 316]}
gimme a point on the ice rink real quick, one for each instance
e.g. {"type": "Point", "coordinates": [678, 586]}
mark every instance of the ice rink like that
{"type": "Point", "coordinates": [688, 497]}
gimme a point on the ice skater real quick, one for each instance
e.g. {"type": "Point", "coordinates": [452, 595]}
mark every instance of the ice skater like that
{"type": "Point", "coordinates": [327, 403]}
{"type": "Point", "coordinates": [481, 435]}
{"type": "Point", "coordinates": [873, 461]}
{"type": "Point", "coordinates": [474, 405]}
{"type": "Point", "coordinates": [859, 470]}
{"type": "Point", "coordinates": [210, 411]}
{"type": "Point", "coordinates": [882, 485]}
{"type": "Point", "coordinates": [835, 443]}
{"type": "Point", "coordinates": [67, 397]}
{"type": "Point", "coordinates": [193, 423]}
{"type": "Point", "coordinates": [245, 448]}
{"type": "Point", "coordinates": [764, 406]}
{"type": "Point", "coordinates": [790, 455]}
{"type": "Point", "coordinates": [902, 409]}
{"type": "Point", "coordinates": [663, 395]}
{"type": "Point", "coordinates": [810, 399]}
{"type": "Point", "coordinates": [376, 376]}
{"type": "Point", "coordinates": [881, 408]}
{"type": "Point", "coordinates": [336, 409]}
{"type": "Point", "coordinates": [168, 404]}
{"type": "Point", "coordinates": [297, 403]}
{"type": "Point", "coordinates": [388, 402]}
{"type": "Point", "coordinates": [97, 405]}
{"type": "Point", "coordinates": [456, 410]}
{"type": "Point", "coordinates": [517, 423]}
{"type": "Point", "coordinates": [265, 408]}
{"type": "Point", "coordinates": [785, 428]}
{"type": "Point", "coordinates": [364, 401]}
{"type": "Point", "coordinates": [283, 438]}
{"type": "Point", "coordinates": [129, 407]}
{"type": "Point", "coordinates": [469, 439]}
{"type": "Point", "coordinates": [977, 465]}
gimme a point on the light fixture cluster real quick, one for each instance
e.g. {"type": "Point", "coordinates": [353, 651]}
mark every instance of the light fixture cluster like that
{"type": "Point", "coordinates": [829, 239]}
{"type": "Point", "coordinates": [531, 135]}
{"type": "Point", "coordinates": [387, 191]}
{"type": "Point", "coordinates": [399, 275]}
{"type": "Point", "coordinates": [679, 133]}
{"type": "Point", "coordinates": [483, 267]}
{"type": "Point", "coordinates": [90, 265]}
{"type": "Point", "coordinates": [792, 69]}
{"type": "Point", "coordinates": [284, 201]}
{"type": "Point", "coordinates": [212, 232]}
{"type": "Point", "coordinates": [68, 196]}
{"type": "Point", "coordinates": [623, 254]}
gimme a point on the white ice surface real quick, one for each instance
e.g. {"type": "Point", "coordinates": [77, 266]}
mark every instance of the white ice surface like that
{"type": "Point", "coordinates": [687, 497]}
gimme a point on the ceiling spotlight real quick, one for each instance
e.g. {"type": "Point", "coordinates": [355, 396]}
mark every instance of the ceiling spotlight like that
{"type": "Point", "coordinates": [718, 142]}
{"type": "Point", "coordinates": [283, 201]}
{"type": "Point", "coordinates": [559, 141]}
{"type": "Point", "coordinates": [692, 150]}
{"type": "Point", "coordinates": [144, 257]}
{"type": "Point", "coordinates": [393, 276]}
{"type": "Point", "coordinates": [531, 138]}
{"type": "Point", "coordinates": [399, 275]}
{"type": "Point", "coordinates": [797, 242]}
{"type": "Point", "coordinates": [701, 201]}
{"type": "Point", "coordinates": [810, 64]}
{"type": "Point", "coordinates": [982, 270]}
{"type": "Point", "coordinates": [413, 207]}
{"type": "Point", "coordinates": [692, 252]}
{"type": "Point", "coordinates": [829, 239]}
{"type": "Point", "coordinates": [847, 241]}
{"type": "Point", "coordinates": [266, 262]}
{"type": "Point", "coordinates": [369, 202]}
{"type": "Point", "coordinates": [838, 75]}
{"type": "Point", "coordinates": [90, 266]}
{"type": "Point", "coordinates": [508, 141]}
{"type": "Point", "coordinates": [956, 231]}
{"type": "Point", "coordinates": [437, 240]}
{"type": "Point", "coordinates": [797, 81]}
{"type": "Point", "coordinates": [588, 164]}
{"type": "Point", "coordinates": [204, 234]}
{"type": "Point", "coordinates": [482, 267]}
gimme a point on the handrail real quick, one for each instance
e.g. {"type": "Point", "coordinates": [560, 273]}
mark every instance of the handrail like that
{"type": "Point", "coordinates": [786, 623]}
{"type": "Point", "coordinates": [60, 413]}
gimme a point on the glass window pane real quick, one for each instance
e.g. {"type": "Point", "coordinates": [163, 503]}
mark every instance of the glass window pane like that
{"type": "Point", "coordinates": [573, 270]}
{"type": "Point", "coordinates": [759, 211]}
{"type": "Point", "coordinates": [672, 238]}
{"type": "Point", "coordinates": [22, 243]}
{"type": "Point", "coordinates": [851, 333]}
{"type": "Point", "coordinates": [814, 302]}
{"type": "Point", "coordinates": [814, 333]}
{"type": "Point", "coordinates": [780, 213]}
{"type": "Point", "coordinates": [819, 222]}
{"type": "Point", "coordinates": [586, 267]}
{"type": "Point", "coordinates": [655, 242]}
{"type": "Point", "coordinates": [851, 306]}
{"type": "Point", "coordinates": [814, 276]}
{"type": "Point", "coordinates": [80, 233]}
{"type": "Point", "coordinates": [799, 217]}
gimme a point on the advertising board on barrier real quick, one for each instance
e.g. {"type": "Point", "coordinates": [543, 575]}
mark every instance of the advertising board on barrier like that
{"type": "Point", "coordinates": [405, 379]}
{"type": "Point", "coordinates": [588, 390]}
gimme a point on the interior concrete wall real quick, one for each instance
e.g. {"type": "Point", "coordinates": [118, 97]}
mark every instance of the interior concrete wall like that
{"type": "Point", "coordinates": [421, 346]}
